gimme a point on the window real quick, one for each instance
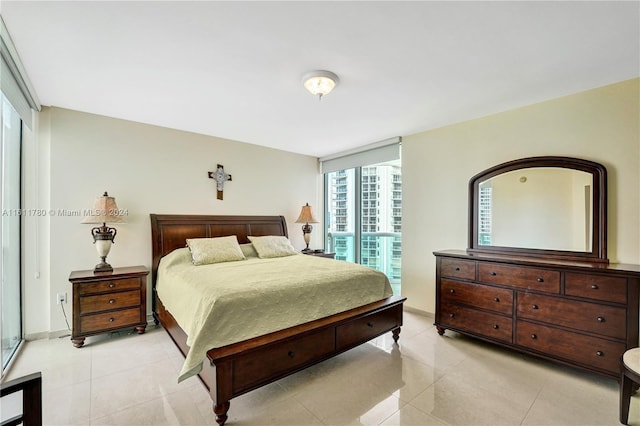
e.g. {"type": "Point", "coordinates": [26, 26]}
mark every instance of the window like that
{"type": "Point", "coordinates": [17, 103]}
{"type": "Point", "coordinates": [363, 207]}
{"type": "Point", "coordinates": [365, 226]}
{"type": "Point", "coordinates": [11, 330]}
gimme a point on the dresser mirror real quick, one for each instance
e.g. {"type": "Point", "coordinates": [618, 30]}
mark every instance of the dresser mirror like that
{"type": "Point", "coordinates": [549, 207]}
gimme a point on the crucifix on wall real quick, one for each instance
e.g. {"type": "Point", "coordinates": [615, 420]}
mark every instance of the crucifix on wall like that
{"type": "Point", "coordinates": [220, 176]}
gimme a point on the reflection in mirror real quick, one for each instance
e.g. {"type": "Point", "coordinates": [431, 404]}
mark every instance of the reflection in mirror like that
{"type": "Point", "coordinates": [537, 207]}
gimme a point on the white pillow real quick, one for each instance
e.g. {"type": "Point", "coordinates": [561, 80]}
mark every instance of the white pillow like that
{"type": "Point", "coordinates": [272, 246]}
{"type": "Point", "coordinates": [248, 250]}
{"type": "Point", "coordinates": [205, 251]}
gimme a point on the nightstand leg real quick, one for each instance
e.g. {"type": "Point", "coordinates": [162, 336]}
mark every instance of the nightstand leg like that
{"type": "Point", "coordinates": [396, 334]}
{"type": "Point", "coordinates": [78, 342]}
{"type": "Point", "coordinates": [141, 328]}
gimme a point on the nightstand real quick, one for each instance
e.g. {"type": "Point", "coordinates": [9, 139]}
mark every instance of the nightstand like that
{"type": "Point", "coordinates": [320, 254]}
{"type": "Point", "coordinates": [108, 301]}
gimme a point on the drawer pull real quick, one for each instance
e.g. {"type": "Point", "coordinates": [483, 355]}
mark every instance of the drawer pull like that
{"type": "Point", "coordinates": [495, 326]}
{"type": "Point", "coordinates": [594, 287]}
{"type": "Point", "coordinates": [452, 291]}
{"type": "Point", "coordinates": [112, 301]}
{"type": "Point", "coordinates": [112, 285]}
{"type": "Point", "coordinates": [534, 337]}
{"type": "Point", "coordinates": [600, 319]}
{"type": "Point", "coordinates": [496, 299]}
{"type": "Point", "coordinates": [111, 320]}
{"type": "Point", "coordinates": [457, 268]}
{"type": "Point", "coordinates": [599, 353]}
{"type": "Point", "coordinates": [534, 306]}
{"type": "Point", "coordinates": [452, 315]}
{"type": "Point", "coordinates": [291, 354]}
{"type": "Point", "coordinates": [493, 274]}
{"type": "Point", "coordinates": [370, 325]}
{"type": "Point", "coordinates": [540, 280]}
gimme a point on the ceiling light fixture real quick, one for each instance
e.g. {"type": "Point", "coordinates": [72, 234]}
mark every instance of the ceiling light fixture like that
{"type": "Point", "coordinates": [320, 82]}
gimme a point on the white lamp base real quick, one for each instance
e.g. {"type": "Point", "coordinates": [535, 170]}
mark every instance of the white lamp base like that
{"type": "Point", "coordinates": [103, 247]}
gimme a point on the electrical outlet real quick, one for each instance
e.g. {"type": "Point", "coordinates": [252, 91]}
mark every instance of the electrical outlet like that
{"type": "Point", "coordinates": [62, 298]}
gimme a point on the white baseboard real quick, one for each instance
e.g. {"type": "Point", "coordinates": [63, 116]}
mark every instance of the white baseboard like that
{"type": "Point", "coordinates": [419, 312]}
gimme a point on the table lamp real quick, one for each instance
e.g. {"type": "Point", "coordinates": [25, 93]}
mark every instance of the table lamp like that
{"type": "Point", "coordinates": [306, 217]}
{"type": "Point", "coordinates": [104, 211]}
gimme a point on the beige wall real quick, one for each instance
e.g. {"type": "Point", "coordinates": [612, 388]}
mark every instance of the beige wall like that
{"type": "Point", "coordinates": [156, 170]}
{"type": "Point", "coordinates": [600, 125]}
{"type": "Point", "coordinates": [148, 169]}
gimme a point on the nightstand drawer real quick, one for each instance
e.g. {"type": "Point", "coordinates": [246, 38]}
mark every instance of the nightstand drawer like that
{"type": "Point", "coordinates": [109, 286]}
{"type": "Point", "coordinates": [105, 302]}
{"type": "Point", "coordinates": [108, 320]}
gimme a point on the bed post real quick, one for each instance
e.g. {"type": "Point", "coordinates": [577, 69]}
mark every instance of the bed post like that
{"type": "Point", "coordinates": [221, 412]}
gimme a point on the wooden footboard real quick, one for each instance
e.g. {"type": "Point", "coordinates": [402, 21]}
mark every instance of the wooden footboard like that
{"type": "Point", "coordinates": [241, 367]}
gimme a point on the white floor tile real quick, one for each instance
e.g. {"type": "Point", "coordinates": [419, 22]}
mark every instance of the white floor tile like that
{"type": "Point", "coordinates": [129, 379]}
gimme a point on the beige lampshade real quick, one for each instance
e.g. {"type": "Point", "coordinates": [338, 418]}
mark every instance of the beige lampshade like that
{"type": "Point", "coordinates": [306, 215]}
{"type": "Point", "coordinates": [104, 210]}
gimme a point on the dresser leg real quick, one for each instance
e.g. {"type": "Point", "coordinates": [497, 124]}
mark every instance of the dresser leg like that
{"type": "Point", "coordinates": [78, 342]}
{"type": "Point", "coordinates": [440, 330]}
{"type": "Point", "coordinates": [221, 412]}
{"type": "Point", "coordinates": [141, 328]}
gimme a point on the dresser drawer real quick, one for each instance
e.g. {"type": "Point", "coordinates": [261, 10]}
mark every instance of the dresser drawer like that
{"type": "Point", "coordinates": [277, 360]}
{"type": "Point", "coordinates": [478, 322]}
{"type": "Point", "coordinates": [481, 296]}
{"type": "Point", "coordinates": [365, 328]}
{"type": "Point", "coordinates": [104, 302]}
{"type": "Point", "coordinates": [598, 287]}
{"type": "Point", "coordinates": [108, 286]}
{"type": "Point", "coordinates": [456, 268]}
{"type": "Point", "coordinates": [592, 317]}
{"type": "Point", "coordinates": [109, 320]}
{"type": "Point", "coordinates": [518, 276]}
{"type": "Point", "coordinates": [589, 351]}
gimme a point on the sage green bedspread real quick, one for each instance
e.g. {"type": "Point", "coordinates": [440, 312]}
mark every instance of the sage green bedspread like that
{"type": "Point", "coordinates": [225, 303]}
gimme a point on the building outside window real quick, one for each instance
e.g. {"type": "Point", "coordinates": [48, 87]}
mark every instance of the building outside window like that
{"type": "Point", "coordinates": [484, 216]}
{"type": "Point", "coordinates": [364, 217]}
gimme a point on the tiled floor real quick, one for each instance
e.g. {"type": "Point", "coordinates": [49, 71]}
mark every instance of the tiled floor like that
{"type": "Point", "coordinates": [126, 379]}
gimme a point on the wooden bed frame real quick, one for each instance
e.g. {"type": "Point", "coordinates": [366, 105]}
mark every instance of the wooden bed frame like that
{"type": "Point", "coordinates": [247, 365]}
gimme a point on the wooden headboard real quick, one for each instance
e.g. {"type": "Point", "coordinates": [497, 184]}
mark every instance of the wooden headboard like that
{"type": "Point", "coordinates": [169, 232]}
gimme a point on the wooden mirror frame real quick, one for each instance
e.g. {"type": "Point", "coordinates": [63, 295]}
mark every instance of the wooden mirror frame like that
{"type": "Point", "coordinates": [598, 253]}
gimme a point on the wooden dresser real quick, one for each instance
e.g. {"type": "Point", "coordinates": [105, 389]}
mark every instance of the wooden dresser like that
{"type": "Point", "coordinates": [575, 313]}
{"type": "Point", "coordinates": [108, 301]}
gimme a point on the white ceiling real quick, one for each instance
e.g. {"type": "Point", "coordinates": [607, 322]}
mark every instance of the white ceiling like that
{"type": "Point", "coordinates": [233, 69]}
